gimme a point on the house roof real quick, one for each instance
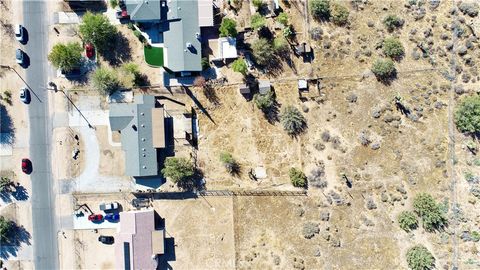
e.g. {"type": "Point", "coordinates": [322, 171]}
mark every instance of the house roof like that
{"type": "Point", "coordinates": [302, 84]}
{"type": "Point", "coordinates": [143, 10]}
{"type": "Point", "coordinates": [134, 120]}
{"type": "Point", "coordinates": [263, 86]}
{"type": "Point", "coordinates": [205, 13]}
{"type": "Point", "coordinates": [227, 47]}
{"type": "Point", "coordinates": [182, 41]}
{"type": "Point", "coordinates": [244, 89]}
{"type": "Point", "coordinates": [137, 241]}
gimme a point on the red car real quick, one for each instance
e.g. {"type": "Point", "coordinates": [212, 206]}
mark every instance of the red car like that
{"type": "Point", "coordinates": [89, 50]}
{"type": "Point", "coordinates": [95, 218]}
{"type": "Point", "coordinates": [26, 166]}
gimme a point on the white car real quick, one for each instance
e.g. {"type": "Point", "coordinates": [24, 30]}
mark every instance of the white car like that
{"type": "Point", "coordinates": [20, 33]}
{"type": "Point", "coordinates": [25, 95]}
{"type": "Point", "coordinates": [108, 206]}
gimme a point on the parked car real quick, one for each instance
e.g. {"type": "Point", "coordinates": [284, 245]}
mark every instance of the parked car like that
{"type": "Point", "coordinates": [95, 217]}
{"type": "Point", "coordinates": [140, 202]}
{"type": "Point", "coordinates": [25, 95]}
{"type": "Point", "coordinates": [20, 33]}
{"type": "Point", "coordinates": [20, 57]}
{"type": "Point", "coordinates": [108, 240]}
{"type": "Point", "coordinates": [112, 217]}
{"type": "Point", "coordinates": [122, 14]}
{"type": "Point", "coordinates": [89, 50]}
{"type": "Point", "coordinates": [108, 206]}
{"type": "Point", "coordinates": [26, 166]}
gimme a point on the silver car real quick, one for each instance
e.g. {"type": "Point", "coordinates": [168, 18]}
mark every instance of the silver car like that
{"type": "Point", "coordinates": [20, 57]}
{"type": "Point", "coordinates": [25, 95]}
{"type": "Point", "coordinates": [20, 33]}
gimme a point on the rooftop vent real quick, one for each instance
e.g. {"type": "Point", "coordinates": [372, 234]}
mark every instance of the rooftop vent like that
{"type": "Point", "coordinates": [189, 45]}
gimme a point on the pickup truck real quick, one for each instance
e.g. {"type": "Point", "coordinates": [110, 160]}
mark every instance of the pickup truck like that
{"type": "Point", "coordinates": [108, 206]}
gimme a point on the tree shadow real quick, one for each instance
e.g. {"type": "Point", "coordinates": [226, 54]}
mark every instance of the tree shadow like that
{"type": "Point", "coordinates": [7, 129]}
{"type": "Point", "coordinates": [20, 193]}
{"type": "Point", "coordinates": [119, 50]}
{"type": "Point", "coordinates": [272, 113]}
{"type": "Point", "coordinates": [210, 94]}
{"type": "Point", "coordinates": [193, 183]}
{"type": "Point", "coordinates": [17, 236]}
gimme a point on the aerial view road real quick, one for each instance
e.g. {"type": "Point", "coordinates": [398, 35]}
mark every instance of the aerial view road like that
{"type": "Point", "coordinates": [44, 227]}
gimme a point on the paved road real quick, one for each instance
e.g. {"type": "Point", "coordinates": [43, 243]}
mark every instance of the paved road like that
{"type": "Point", "coordinates": [45, 248]}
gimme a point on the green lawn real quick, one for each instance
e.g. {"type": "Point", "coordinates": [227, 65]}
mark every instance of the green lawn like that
{"type": "Point", "coordinates": [153, 56]}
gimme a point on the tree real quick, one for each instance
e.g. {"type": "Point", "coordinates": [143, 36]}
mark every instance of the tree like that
{"type": "Point", "coordinates": [292, 120]}
{"type": "Point", "coordinates": [97, 29]}
{"type": "Point", "coordinates": [297, 177]}
{"type": "Point", "coordinates": [280, 46]}
{"type": "Point", "coordinates": [288, 32]}
{"type": "Point", "coordinates": [392, 22]}
{"type": "Point", "coordinates": [384, 69]}
{"type": "Point", "coordinates": [240, 66]}
{"type": "Point", "coordinates": [407, 221]}
{"type": "Point", "coordinates": [432, 215]}
{"type": "Point", "coordinates": [467, 115]}
{"type": "Point", "coordinates": [6, 227]}
{"type": "Point", "coordinates": [178, 169]}
{"type": "Point", "coordinates": [262, 51]}
{"type": "Point", "coordinates": [283, 18]}
{"type": "Point", "coordinates": [5, 184]}
{"type": "Point", "coordinates": [339, 14]}
{"type": "Point", "coordinates": [228, 28]}
{"type": "Point", "coordinates": [258, 4]}
{"type": "Point", "coordinates": [229, 162]}
{"type": "Point", "coordinates": [257, 21]}
{"type": "Point", "coordinates": [264, 102]}
{"type": "Point", "coordinates": [420, 258]}
{"type": "Point", "coordinates": [393, 48]}
{"type": "Point", "coordinates": [205, 63]}
{"type": "Point", "coordinates": [66, 56]}
{"type": "Point", "coordinates": [105, 80]}
{"type": "Point", "coordinates": [320, 9]}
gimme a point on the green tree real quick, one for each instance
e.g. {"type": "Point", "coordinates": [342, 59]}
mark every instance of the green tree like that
{"type": "Point", "coordinates": [178, 169]}
{"type": "Point", "coordinates": [6, 227]}
{"type": "Point", "coordinates": [262, 51]}
{"type": "Point", "coordinates": [113, 3]}
{"type": "Point", "coordinates": [283, 18]}
{"type": "Point", "coordinates": [229, 162]}
{"type": "Point", "coordinates": [297, 177]}
{"type": "Point", "coordinates": [427, 208]}
{"type": "Point", "coordinates": [264, 102]}
{"type": "Point", "coordinates": [228, 28]}
{"type": "Point", "coordinates": [293, 120]}
{"type": "Point", "coordinates": [257, 21]}
{"type": "Point", "coordinates": [280, 46]}
{"type": "Point", "coordinates": [407, 221]}
{"type": "Point", "coordinates": [97, 29]}
{"type": "Point", "coordinates": [105, 80]}
{"type": "Point", "coordinates": [467, 115]}
{"type": "Point", "coordinates": [5, 184]}
{"type": "Point", "coordinates": [258, 4]}
{"type": "Point", "coordinates": [240, 66]}
{"type": "Point", "coordinates": [339, 14]}
{"type": "Point", "coordinates": [384, 69]}
{"type": "Point", "coordinates": [66, 56]}
{"type": "Point", "coordinates": [393, 48]}
{"type": "Point", "coordinates": [392, 22]}
{"type": "Point", "coordinates": [420, 258]}
{"type": "Point", "coordinates": [320, 9]}
{"type": "Point", "coordinates": [205, 63]}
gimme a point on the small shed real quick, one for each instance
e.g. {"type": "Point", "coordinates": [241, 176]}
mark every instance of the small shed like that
{"type": "Point", "coordinates": [264, 86]}
{"type": "Point", "coordinates": [227, 48]}
{"type": "Point", "coordinates": [302, 85]}
{"type": "Point", "coordinates": [244, 89]}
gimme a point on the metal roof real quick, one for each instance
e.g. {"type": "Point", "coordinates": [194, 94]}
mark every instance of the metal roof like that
{"type": "Point", "coordinates": [143, 10]}
{"type": "Point", "coordinates": [134, 120]}
{"type": "Point", "coordinates": [263, 86]}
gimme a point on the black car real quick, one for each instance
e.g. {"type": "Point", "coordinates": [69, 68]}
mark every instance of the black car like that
{"type": "Point", "coordinates": [108, 240]}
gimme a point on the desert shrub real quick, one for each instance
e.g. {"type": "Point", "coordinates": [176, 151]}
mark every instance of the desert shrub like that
{"type": "Point", "coordinates": [292, 120]}
{"type": "Point", "coordinates": [258, 4]}
{"type": "Point", "coordinates": [431, 213]}
{"type": "Point", "coordinates": [310, 229]}
{"type": "Point", "coordinates": [257, 21]}
{"type": "Point", "coordinates": [316, 178]}
{"type": "Point", "coordinates": [283, 18]}
{"type": "Point", "coordinates": [392, 22]}
{"type": "Point", "coordinates": [288, 32]}
{"type": "Point", "coordinates": [393, 48]}
{"type": "Point", "coordinates": [178, 169]}
{"type": "Point", "coordinates": [280, 46]}
{"type": "Point", "coordinates": [470, 9]}
{"type": "Point", "coordinates": [240, 66]}
{"type": "Point", "coordinates": [384, 69]}
{"type": "Point", "coordinates": [205, 63]}
{"type": "Point", "coordinates": [297, 177]}
{"type": "Point", "coordinates": [467, 115]}
{"type": "Point", "coordinates": [419, 258]}
{"type": "Point", "coordinates": [316, 33]}
{"type": "Point", "coordinates": [228, 28]}
{"type": "Point", "coordinates": [130, 75]}
{"type": "Point", "coordinates": [139, 35]}
{"type": "Point", "coordinates": [229, 162]}
{"type": "Point", "coordinates": [262, 51]}
{"type": "Point", "coordinates": [407, 221]}
{"type": "Point", "coordinates": [5, 184]}
{"type": "Point", "coordinates": [339, 14]}
{"type": "Point", "coordinates": [264, 102]}
{"type": "Point", "coordinates": [105, 80]}
{"type": "Point", "coordinates": [320, 9]}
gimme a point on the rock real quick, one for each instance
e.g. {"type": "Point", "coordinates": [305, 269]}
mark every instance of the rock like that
{"type": "Point", "coordinates": [336, 243]}
{"type": "Point", "coordinates": [352, 98]}
{"type": "Point", "coordinates": [375, 146]}
{"type": "Point", "coordinates": [444, 36]}
{"type": "Point", "coordinates": [419, 13]}
{"type": "Point", "coordinates": [433, 4]}
{"type": "Point", "coordinates": [304, 108]}
{"type": "Point", "coordinates": [384, 197]}
{"type": "Point", "coordinates": [415, 54]}
{"type": "Point", "coordinates": [470, 9]}
{"type": "Point", "coordinates": [459, 90]}
{"type": "Point", "coordinates": [326, 136]}
{"type": "Point", "coordinates": [371, 204]}
{"type": "Point", "coordinates": [370, 24]}
{"type": "Point", "coordinates": [449, 46]}
{"type": "Point", "coordinates": [462, 50]}
{"type": "Point", "coordinates": [327, 44]}
{"type": "Point", "coordinates": [376, 112]}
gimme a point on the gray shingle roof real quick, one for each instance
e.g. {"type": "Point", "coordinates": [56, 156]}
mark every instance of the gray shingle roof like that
{"type": "Point", "coordinates": [135, 123]}
{"type": "Point", "coordinates": [143, 10]}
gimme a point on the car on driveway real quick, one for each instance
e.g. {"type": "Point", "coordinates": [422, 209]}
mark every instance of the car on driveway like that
{"type": "Point", "coordinates": [108, 240]}
{"type": "Point", "coordinates": [20, 57]}
{"type": "Point", "coordinates": [89, 50]}
{"type": "Point", "coordinates": [108, 206]}
{"type": "Point", "coordinates": [20, 33]}
{"type": "Point", "coordinates": [26, 166]}
{"type": "Point", "coordinates": [25, 95]}
{"type": "Point", "coordinates": [112, 217]}
{"type": "Point", "coordinates": [140, 202]}
{"type": "Point", "coordinates": [95, 217]}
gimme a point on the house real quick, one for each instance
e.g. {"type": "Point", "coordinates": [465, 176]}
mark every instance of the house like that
{"type": "Point", "coordinates": [264, 86]}
{"type": "Point", "coordinates": [138, 244]}
{"type": "Point", "coordinates": [142, 130]}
